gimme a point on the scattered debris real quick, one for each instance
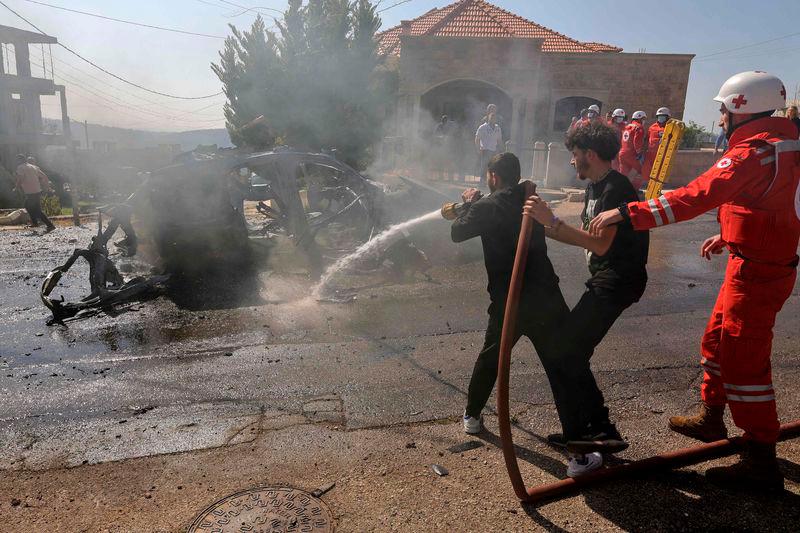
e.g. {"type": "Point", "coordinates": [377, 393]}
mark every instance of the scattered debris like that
{"type": "Point", "coordinates": [323, 489]}
{"type": "Point", "coordinates": [440, 470]}
{"type": "Point", "coordinates": [410, 445]}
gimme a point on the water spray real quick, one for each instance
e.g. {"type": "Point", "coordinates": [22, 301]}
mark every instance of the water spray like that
{"type": "Point", "coordinates": [380, 241]}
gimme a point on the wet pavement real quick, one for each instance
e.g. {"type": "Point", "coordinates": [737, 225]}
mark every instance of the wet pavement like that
{"type": "Point", "coordinates": [159, 379]}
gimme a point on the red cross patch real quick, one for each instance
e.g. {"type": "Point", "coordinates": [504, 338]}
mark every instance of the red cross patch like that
{"type": "Point", "coordinates": [725, 162]}
{"type": "Point", "coordinates": [739, 101]}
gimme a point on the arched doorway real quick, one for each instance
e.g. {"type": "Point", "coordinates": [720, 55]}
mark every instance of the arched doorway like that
{"type": "Point", "coordinates": [569, 107]}
{"type": "Point", "coordinates": [464, 102]}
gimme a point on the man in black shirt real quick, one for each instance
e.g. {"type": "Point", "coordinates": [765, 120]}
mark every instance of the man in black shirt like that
{"type": "Point", "coordinates": [617, 261]}
{"type": "Point", "coordinates": [497, 219]}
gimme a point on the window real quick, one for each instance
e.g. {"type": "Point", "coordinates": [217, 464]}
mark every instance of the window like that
{"type": "Point", "coordinates": [9, 59]}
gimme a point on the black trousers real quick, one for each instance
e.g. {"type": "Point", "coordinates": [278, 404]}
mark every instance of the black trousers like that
{"type": "Point", "coordinates": [565, 341]}
{"type": "Point", "coordinates": [578, 398]}
{"type": "Point", "coordinates": [540, 313]}
{"type": "Point", "coordinates": [33, 205]}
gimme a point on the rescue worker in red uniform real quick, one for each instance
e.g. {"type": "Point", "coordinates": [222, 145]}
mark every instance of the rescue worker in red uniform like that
{"type": "Point", "coordinates": [618, 123]}
{"type": "Point", "coordinates": [654, 134]}
{"type": "Point", "coordinates": [755, 186]}
{"type": "Point", "coordinates": [632, 149]}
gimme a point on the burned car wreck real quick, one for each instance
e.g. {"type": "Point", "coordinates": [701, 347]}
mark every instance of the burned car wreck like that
{"type": "Point", "coordinates": [188, 221]}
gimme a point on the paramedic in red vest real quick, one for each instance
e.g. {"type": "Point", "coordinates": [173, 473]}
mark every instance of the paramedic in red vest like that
{"type": "Point", "coordinates": [618, 123]}
{"type": "Point", "coordinates": [632, 149]}
{"type": "Point", "coordinates": [593, 113]}
{"type": "Point", "coordinates": [654, 134]}
{"type": "Point", "coordinates": [755, 186]}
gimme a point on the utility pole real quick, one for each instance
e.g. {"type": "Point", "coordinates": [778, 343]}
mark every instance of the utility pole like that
{"type": "Point", "coordinates": [86, 132]}
{"type": "Point", "coordinates": [71, 157]}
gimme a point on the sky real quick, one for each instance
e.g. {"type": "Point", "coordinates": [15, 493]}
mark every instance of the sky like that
{"type": "Point", "coordinates": [723, 34]}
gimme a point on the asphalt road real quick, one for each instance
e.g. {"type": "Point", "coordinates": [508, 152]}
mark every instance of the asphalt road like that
{"type": "Point", "coordinates": [159, 379]}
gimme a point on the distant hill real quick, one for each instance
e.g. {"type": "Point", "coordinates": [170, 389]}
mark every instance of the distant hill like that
{"type": "Point", "coordinates": [127, 138]}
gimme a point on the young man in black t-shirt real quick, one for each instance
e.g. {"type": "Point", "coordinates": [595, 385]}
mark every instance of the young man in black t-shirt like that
{"type": "Point", "coordinates": [617, 259]}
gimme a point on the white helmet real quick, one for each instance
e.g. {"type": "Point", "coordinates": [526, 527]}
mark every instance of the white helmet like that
{"type": "Point", "coordinates": [618, 113]}
{"type": "Point", "coordinates": [639, 115]}
{"type": "Point", "coordinates": [752, 92]}
{"type": "Point", "coordinates": [595, 108]}
{"type": "Point", "coordinates": [663, 111]}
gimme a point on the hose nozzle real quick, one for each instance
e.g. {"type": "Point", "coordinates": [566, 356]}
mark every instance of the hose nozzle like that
{"type": "Point", "coordinates": [451, 210]}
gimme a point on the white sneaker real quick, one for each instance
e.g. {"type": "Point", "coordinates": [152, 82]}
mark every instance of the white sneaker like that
{"type": "Point", "coordinates": [472, 426]}
{"type": "Point", "coordinates": [581, 464]}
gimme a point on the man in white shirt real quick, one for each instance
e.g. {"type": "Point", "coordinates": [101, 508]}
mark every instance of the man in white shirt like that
{"type": "Point", "coordinates": [488, 140]}
{"type": "Point", "coordinates": [31, 181]}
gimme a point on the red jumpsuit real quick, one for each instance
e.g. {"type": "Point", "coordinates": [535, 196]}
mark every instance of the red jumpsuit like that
{"type": "Point", "coordinates": [632, 147]}
{"type": "Point", "coordinates": [654, 135]}
{"type": "Point", "coordinates": [620, 127]}
{"type": "Point", "coordinates": [755, 186]}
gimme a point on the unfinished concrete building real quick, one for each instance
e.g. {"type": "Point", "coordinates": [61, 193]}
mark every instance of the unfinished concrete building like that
{"type": "Point", "coordinates": [22, 130]}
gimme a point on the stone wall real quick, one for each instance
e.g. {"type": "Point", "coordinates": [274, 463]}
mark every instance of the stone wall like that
{"type": "Point", "coordinates": [688, 165]}
{"type": "Point", "coordinates": [630, 81]}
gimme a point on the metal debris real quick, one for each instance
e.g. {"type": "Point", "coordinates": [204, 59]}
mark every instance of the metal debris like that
{"type": "Point", "coordinates": [323, 489]}
{"type": "Point", "coordinates": [440, 470]}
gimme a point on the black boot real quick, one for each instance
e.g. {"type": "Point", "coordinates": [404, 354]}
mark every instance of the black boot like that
{"type": "Point", "coordinates": [756, 470]}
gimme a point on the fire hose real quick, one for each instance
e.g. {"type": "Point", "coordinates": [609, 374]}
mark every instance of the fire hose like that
{"type": "Point", "coordinates": [669, 460]}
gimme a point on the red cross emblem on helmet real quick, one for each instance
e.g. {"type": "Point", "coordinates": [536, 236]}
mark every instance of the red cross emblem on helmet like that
{"type": "Point", "coordinates": [739, 101]}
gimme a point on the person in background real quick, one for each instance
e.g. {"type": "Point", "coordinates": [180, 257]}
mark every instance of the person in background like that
{"type": "Point", "coordinates": [791, 114]}
{"type": "Point", "coordinates": [580, 119]}
{"type": "Point", "coordinates": [630, 155]}
{"type": "Point", "coordinates": [721, 144]}
{"type": "Point", "coordinates": [654, 134]}
{"type": "Point", "coordinates": [593, 112]}
{"type": "Point", "coordinates": [618, 123]}
{"type": "Point", "coordinates": [488, 140]}
{"type": "Point", "coordinates": [32, 181]}
{"type": "Point", "coordinates": [441, 136]}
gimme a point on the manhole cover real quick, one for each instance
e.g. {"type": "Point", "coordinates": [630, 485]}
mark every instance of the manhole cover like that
{"type": "Point", "coordinates": [265, 509]}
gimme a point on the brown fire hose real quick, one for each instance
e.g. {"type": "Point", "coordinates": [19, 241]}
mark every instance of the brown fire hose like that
{"type": "Point", "coordinates": [669, 460]}
{"type": "Point", "coordinates": [506, 345]}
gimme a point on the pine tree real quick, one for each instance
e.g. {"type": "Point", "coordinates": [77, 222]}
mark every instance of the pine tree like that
{"type": "Point", "coordinates": [317, 80]}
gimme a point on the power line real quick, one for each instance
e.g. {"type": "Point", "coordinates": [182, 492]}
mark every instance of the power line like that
{"type": "Point", "coordinates": [133, 23]}
{"type": "Point", "coordinates": [748, 46]}
{"type": "Point", "coordinates": [387, 8]}
{"type": "Point", "coordinates": [84, 73]}
{"type": "Point", "coordinates": [98, 67]}
{"type": "Point", "coordinates": [73, 83]}
{"type": "Point", "coordinates": [749, 55]}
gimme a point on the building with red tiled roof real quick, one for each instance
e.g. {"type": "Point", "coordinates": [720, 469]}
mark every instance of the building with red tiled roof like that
{"type": "Point", "coordinates": [476, 18]}
{"type": "Point", "coordinates": [457, 59]}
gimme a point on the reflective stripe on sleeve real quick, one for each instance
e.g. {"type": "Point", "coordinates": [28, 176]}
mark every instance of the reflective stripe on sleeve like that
{"type": "Point", "coordinates": [713, 372]}
{"type": "Point", "coordinates": [656, 214]}
{"type": "Point", "coordinates": [706, 362]}
{"type": "Point", "coordinates": [667, 209]}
